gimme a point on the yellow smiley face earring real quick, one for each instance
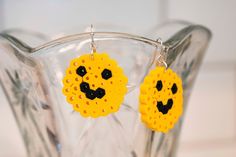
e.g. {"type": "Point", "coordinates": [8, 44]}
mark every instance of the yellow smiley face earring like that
{"type": "Point", "coordinates": [94, 84]}
{"type": "Point", "coordinates": [161, 97]}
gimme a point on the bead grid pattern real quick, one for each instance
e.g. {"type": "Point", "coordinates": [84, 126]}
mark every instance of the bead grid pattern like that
{"type": "Point", "coordinates": [94, 85]}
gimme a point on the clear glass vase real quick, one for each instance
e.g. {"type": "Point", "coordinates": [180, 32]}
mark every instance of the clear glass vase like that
{"type": "Point", "coordinates": [32, 68]}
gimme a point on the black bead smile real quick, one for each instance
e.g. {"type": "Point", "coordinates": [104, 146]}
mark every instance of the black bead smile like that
{"type": "Point", "coordinates": [164, 108]}
{"type": "Point", "coordinates": [85, 88]}
{"type": "Point", "coordinates": [160, 106]}
{"type": "Point", "coordinates": [90, 93]}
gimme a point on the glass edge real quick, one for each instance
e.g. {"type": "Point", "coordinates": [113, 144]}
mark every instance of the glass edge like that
{"type": "Point", "coordinates": [174, 40]}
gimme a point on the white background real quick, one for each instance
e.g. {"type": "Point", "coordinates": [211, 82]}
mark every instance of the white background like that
{"type": "Point", "coordinates": [210, 124]}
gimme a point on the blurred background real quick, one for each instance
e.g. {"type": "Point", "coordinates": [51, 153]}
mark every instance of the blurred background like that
{"type": "Point", "coordinates": [210, 124]}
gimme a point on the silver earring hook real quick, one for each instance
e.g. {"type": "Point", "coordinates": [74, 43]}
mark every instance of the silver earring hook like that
{"type": "Point", "coordinates": [161, 61]}
{"type": "Point", "coordinates": [161, 58]}
{"type": "Point", "coordinates": [93, 46]}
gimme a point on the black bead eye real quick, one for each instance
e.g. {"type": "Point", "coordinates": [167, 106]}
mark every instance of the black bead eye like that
{"type": "Point", "coordinates": [81, 71]}
{"type": "Point", "coordinates": [106, 74]}
{"type": "Point", "coordinates": [84, 87]}
{"type": "Point", "coordinates": [174, 88]}
{"type": "Point", "coordinates": [100, 93]}
{"type": "Point", "coordinates": [159, 85]}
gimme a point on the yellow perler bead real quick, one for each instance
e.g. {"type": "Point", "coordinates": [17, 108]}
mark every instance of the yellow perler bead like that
{"type": "Point", "coordinates": [95, 85]}
{"type": "Point", "coordinates": [161, 99]}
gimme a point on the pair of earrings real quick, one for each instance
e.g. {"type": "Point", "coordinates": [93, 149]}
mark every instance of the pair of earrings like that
{"type": "Point", "coordinates": [95, 86]}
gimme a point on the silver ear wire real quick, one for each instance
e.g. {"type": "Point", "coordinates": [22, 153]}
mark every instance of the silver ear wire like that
{"type": "Point", "coordinates": [93, 46]}
{"type": "Point", "coordinates": [161, 61]}
{"type": "Point", "coordinates": [161, 58]}
{"type": "Point", "coordinates": [159, 41]}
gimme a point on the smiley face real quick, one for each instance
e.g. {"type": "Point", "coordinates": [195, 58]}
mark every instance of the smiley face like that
{"type": "Point", "coordinates": [94, 85]}
{"type": "Point", "coordinates": [161, 99]}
